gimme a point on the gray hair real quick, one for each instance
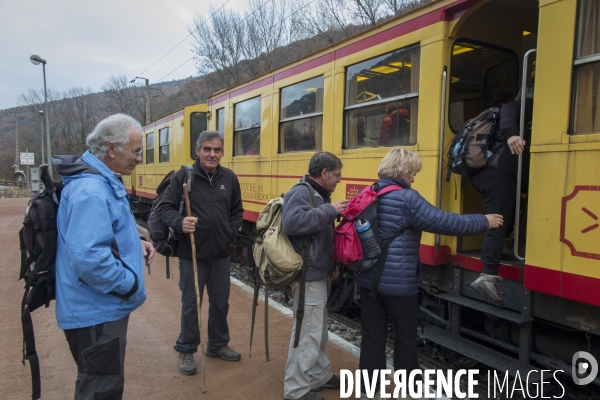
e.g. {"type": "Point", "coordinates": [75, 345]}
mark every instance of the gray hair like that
{"type": "Point", "coordinates": [399, 162]}
{"type": "Point", "coordinates": [323, 160]}
{"type": "Point", "coordinates": [114, 129]}
{"type": "Point", "coordinates": [207, 136]}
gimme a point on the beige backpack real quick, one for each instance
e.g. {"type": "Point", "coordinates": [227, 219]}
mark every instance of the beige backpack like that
{"type": "Point", "coordinates": [277, 263]}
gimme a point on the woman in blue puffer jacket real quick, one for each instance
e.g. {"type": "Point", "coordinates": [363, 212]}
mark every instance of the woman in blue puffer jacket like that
{"type": "Point", "coordinates": [403, 214]}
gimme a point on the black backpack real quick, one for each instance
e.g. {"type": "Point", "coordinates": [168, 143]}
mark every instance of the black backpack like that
{"type": "Point", "coordinates": [469, 147]}
{"type": "Point", "coordinates": [38, 243]}
{"type": "Point", "coordinates": [164, 238]}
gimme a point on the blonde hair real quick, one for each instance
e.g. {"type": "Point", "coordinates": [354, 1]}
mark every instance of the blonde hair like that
{"type": "Point", "coordinates": [399, 162]}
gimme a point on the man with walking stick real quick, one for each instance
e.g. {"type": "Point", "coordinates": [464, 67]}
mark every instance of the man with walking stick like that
{"type": "Point", "coordinates": [216, 209]}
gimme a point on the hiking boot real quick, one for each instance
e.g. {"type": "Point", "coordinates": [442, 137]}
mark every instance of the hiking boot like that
{"type": "Point", "coordinates": [309, 396]}
{"type": "Point", "coordinates": [187, 366]}
{"type": "Point", "coordinates": [332, 383]}
{"type": "Point", "coordinates": [489, 287]}
{"type": "Point", "coordinates": [225, 352]}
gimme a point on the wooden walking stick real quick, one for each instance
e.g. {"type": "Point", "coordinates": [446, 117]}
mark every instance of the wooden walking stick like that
{"type": "Point", "coordinates": [198, 301]}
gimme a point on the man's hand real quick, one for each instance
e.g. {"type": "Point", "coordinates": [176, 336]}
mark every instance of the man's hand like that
{"type": "Point", "coordinates": [189, 224]}
{"type": "Point", "coordinates": [340, 205]}
{"type": "Point", "coordinates": [494, 220]}
{"type": "Point", "coordinates": [516, 144]}
{"type": "Point", "coordinates": [148, 252]}
{"type": "Point", "coordinates": [335, 274]}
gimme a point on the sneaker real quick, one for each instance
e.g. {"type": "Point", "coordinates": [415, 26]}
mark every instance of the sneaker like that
{"type": "Point", "coordinates": [332, 383]}
{"type": "Point", "coordinates": [489, 287]}
{"type": "Point", "coordinates": [187, 366]}
{"type": "Point", "coordinates": [225, 352]}
{"type": "Point", "coordinates": [310, 395]}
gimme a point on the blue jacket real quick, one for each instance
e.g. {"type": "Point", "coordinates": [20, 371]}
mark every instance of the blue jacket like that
{"type": "Point", "coordinates": [94, 283]}
{"type": "Point", "coordinates": [407, 209]}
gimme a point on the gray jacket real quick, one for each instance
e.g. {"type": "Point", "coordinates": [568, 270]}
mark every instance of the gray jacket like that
{"type": "Point", "coordinates": [301, 218]}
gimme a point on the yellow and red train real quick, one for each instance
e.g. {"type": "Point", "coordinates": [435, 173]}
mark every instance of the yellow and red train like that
{"type": "Point", "coordinates": [413, 81]}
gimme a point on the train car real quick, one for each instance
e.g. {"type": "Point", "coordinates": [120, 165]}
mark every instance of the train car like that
{"type": "Point", "coordinates": [413, 81]}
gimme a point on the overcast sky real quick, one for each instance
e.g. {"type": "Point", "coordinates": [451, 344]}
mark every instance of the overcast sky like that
{"type": "Point", "coordinates": [85, 42]}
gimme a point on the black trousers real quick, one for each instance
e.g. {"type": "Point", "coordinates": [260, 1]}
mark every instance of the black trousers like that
{"type": "Point", "coordinates": [499, 191]}
{"type": "Point", "coordinates": [215, 275]}
{"type": "Point", "coordinates": [375, 312]}
{"type": "Point", "coordinates": [99, 352]}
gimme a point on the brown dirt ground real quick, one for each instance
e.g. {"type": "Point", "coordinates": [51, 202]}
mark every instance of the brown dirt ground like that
{"type": "Point", "coordinates": [151, 363]}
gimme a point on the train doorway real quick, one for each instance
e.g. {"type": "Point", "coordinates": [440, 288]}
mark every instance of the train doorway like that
{"type": "Point", "coordinates": [486, 65]}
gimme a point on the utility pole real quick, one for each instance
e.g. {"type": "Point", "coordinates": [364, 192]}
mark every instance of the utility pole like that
{"type": "Point", "coordinates": [148, 114]}
{"type": "Point", "coordinates": [16, 142]}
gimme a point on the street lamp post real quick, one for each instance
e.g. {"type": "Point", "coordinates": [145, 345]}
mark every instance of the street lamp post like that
{"type": "Point", "coordinates": [148, 117]}
{"type": "Point", "coordinates": [35, 59]}
{"type": "Point", "coordinates": [41, 113]}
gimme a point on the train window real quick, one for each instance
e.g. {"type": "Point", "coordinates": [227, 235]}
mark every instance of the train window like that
{"type": "Point", "coordinates": [150, 148]}
{"type": "Point", "coordinates": [481, 76]}
{"type": "Point", "coordinates": [381, 102]}
{"type": "Point", "coordinates": [197, 126]}
{"type": "Point", "coordinates": [246, 133]}
{"type": "Point", "coordinates": [586, 96]}
{"type": "Point", "coordinates": [221, 120]}
{"type": "Point", "coordinates": [301, 116]}
{"type": "Point", "coordinates": [163, 150]}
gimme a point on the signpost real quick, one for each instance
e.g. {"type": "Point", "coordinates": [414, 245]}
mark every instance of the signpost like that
{"type": "Point", "coordinates": [27, 159]}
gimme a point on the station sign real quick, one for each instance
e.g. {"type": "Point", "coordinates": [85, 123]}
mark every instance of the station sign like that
{"type": "Point", "coordinates": [27, 159]}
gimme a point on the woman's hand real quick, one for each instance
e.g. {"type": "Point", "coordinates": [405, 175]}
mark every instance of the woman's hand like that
{"type": "Point", "coordinates": [516, 144]}
{"type": "Point", "coordinates": [494, 220]}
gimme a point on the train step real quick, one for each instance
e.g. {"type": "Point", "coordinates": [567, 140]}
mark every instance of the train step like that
{"type": "Point", "coordinates": [486, 308]}
{"type": "Point", "coordinates": [482, 354]}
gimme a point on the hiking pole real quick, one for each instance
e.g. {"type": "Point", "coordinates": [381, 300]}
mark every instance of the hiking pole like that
{"type": "Point", "coordinates": [198, 302]}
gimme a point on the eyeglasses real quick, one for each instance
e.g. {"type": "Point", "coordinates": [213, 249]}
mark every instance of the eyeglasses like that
{"type": "Point", "coordinates": [137, 153]}
{"type": "Point", "coordinates": [337, 175]}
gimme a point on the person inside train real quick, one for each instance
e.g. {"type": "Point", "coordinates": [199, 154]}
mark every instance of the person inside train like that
{"type": "Point", "coordinates": [497, 184]}
{"type": "Point", "coordinates": [216, 207]}
{"type": "Point", "coordinates": [308, 369]}
{"type": "Point", "coordinates": [395, 128]}
{"type": "Point", "coordinates": [402, 216]}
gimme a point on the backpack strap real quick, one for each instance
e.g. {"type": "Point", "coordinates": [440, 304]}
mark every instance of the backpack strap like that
{"type": "Point", "coordinates": [300, 310]}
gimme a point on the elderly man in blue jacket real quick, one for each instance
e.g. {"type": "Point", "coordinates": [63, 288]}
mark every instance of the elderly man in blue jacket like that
{"type": "Point", "coordinates": [99, 260]}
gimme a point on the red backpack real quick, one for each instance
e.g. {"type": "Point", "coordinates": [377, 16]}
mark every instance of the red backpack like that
{"type": "Point", "coordinates": [361, 252]}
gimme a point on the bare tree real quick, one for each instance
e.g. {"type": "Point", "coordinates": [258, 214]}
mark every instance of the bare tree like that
{"type": "Point", "coordinates": [219, 46]}
{"type": "Point", "coordinates": [119, 94]}
{"type": "Point", "coordinates": [368, 12]}
{"type": "Point", "coordinates": [269, 26]}
{"type": "Point", "coordinates": [397, 7]}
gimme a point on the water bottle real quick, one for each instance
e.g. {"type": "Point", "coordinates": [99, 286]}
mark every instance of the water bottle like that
{"type": "Point", "coordinates": [367, 238]}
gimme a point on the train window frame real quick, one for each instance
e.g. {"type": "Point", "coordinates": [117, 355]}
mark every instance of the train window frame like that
{"type": "Point", "coordinates": [198, 117]}
{"type": "Point", "coordinates": [313, 120]}
{"type": "Point", "coordinates": [220, 120]}
{"type": "Point", "coordinates": [454, 122]}
{"type": "Point", "coordinates": [372, 112]}
{"type": "Point", "coordinates": [149, 148]}
{"type": "Point", "coordinates": [163, 145]}
{"type": "Point", "coordinates": [251, 145]}
{"type": "Point", "coordinates": [585, 64]}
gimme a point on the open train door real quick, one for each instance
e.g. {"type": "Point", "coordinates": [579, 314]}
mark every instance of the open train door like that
{"type": "Point", "coordinates": [486, 50]}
